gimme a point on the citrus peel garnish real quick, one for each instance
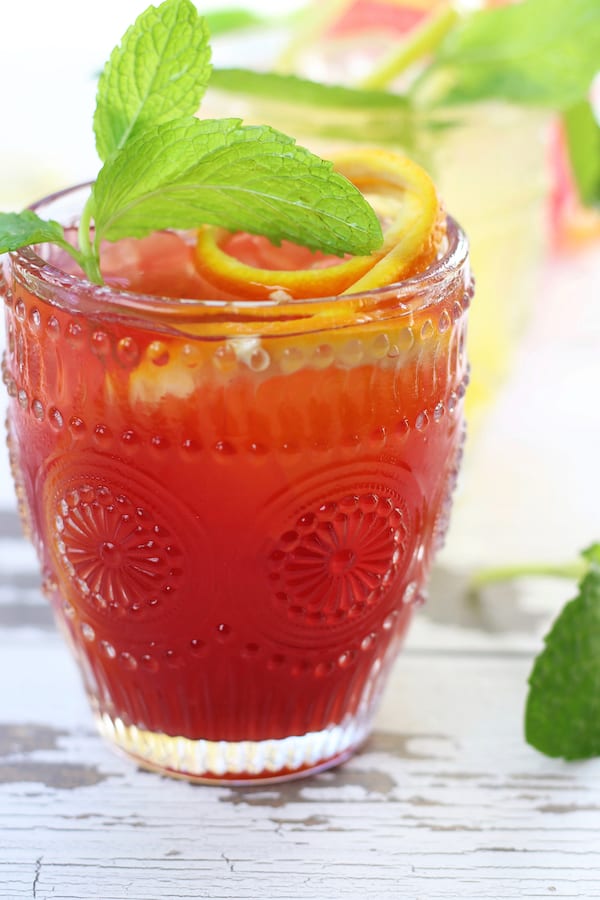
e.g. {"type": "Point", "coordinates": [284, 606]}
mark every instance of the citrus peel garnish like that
{"type": "Point", "coordinates": [412, 237]}
{"type": "Point", "coordinates": [405, 198]}
{"type": "Point", "coordinates": [251, 282]}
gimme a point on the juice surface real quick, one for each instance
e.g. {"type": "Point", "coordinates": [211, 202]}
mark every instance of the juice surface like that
{"type": "Point", "coordinates": [235, 524]}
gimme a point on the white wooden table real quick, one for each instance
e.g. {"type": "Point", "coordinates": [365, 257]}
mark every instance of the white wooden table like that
{"type": "Point", "coordinates": [445, 801]}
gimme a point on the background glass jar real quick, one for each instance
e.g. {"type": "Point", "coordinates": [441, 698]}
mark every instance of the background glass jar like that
{"type": "Point", "coordinates": [490, 163]}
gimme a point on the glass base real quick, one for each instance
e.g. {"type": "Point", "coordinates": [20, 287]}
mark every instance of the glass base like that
{"type": "Point", "coordinates": [236, 762]}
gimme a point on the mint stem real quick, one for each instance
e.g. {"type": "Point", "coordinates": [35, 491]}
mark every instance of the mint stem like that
{"type": "Point", "coordinates": [88, 258]}
{"type": "Point", "coordinates": [494, 575]}
{"type": "Point", "coordinates": [423, 41]}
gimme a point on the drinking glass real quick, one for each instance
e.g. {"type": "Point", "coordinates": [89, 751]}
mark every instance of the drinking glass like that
{"type": "Point", "coordinates": [235, 504]}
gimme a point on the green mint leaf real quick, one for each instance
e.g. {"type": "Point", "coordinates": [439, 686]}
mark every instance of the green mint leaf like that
{"type": "Point", "coordinates": [159, 72]}
{"type": "Point", "coordinates": [332, 112]}
{"type": "Point", "coordinates": [224, 21]}
{"type": "Point", "coordinates": [187, 173]}
{"type": "Point", "coordinates": [592, 555]}
{"type": "Point", "coordinates": [24, 229]}
{"type": "Point", "coordinates": [538, 52]}
{"type": "Point", "coordinates": [273, 86]}
{"type": "Point", "coordinates": [583, 141]}
{"type": "Point", "coordinates": [562, 716]}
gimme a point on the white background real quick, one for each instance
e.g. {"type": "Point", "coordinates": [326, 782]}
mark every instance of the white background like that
{"type": "Point", "coordinates": [50, 57]}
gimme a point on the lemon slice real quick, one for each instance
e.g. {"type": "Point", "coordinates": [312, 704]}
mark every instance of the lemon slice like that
{"type": "Point", "coordinates": [404, 197]}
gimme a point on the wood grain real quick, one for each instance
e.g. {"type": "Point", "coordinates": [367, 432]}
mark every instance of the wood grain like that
{"type": "Point", "coordinates": [445, 800]}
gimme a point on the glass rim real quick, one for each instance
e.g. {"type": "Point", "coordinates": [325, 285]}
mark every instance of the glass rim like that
{"type": "Point", "coordinates": [50, 282]}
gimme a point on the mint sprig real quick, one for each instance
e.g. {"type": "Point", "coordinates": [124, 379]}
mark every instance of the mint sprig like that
{"type": "Point", "coordinates": [164, 168]}
{"type": "Point", "coordinates": [537, 52]}
{"type": "Point", "coordinates": [562, 717]}
{"type": "Point", "coordinates": [220, 172]}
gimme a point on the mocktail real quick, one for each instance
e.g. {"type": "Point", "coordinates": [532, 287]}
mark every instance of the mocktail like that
{"type": "Point", "coordinates": [235, 500]}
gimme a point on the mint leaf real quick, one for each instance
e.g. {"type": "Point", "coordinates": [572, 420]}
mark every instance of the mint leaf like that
{"type": "Point", "coordinates": [23, 229]}
{"type": "Point", "coordinates": [158, 73]}
{"type": "Point", "coordinates": [273, 86]}
{"type": "Point", "coordinates": [224, 21]}
{"type": "Point", "coordinates": [583, 141]}
{"type": "Point", "coordinates": [562, 716]}
{"type": "Point", "coordinates": [592, 555]}
{"type": "Point", "coordinates": [187, 173]}
{"type": "Point", "coordinates": [539, 52]}
{"type": "Point", "coordinates": [327, 111]}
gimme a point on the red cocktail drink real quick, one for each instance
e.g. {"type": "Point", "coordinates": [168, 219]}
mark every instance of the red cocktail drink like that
{"type": "Point", "coordinates": [235, 502]}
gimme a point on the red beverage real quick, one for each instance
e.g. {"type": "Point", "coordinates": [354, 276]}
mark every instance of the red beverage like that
{"type": "Point", "coordinates": [236, 504]}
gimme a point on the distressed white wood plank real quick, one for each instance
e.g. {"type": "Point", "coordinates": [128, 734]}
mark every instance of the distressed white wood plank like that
{"type": "Point", "coordinates": [446, 800]}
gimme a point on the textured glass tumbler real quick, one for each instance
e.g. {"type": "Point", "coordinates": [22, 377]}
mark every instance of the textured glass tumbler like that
{"type": "Point", "coordinates": [235, 505]}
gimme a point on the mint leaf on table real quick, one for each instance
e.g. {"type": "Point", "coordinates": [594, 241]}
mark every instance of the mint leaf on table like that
{"type": "Point", "coordinates": [158, 72]}
{"type": "Point", "coordinates": [243, 178]}
{"type": "Point", "coordinates": [562, 716]}
{"type": "Point", "coordinates": [582, 131]}
{"type": "Point", "coordinates": [540, 52]}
